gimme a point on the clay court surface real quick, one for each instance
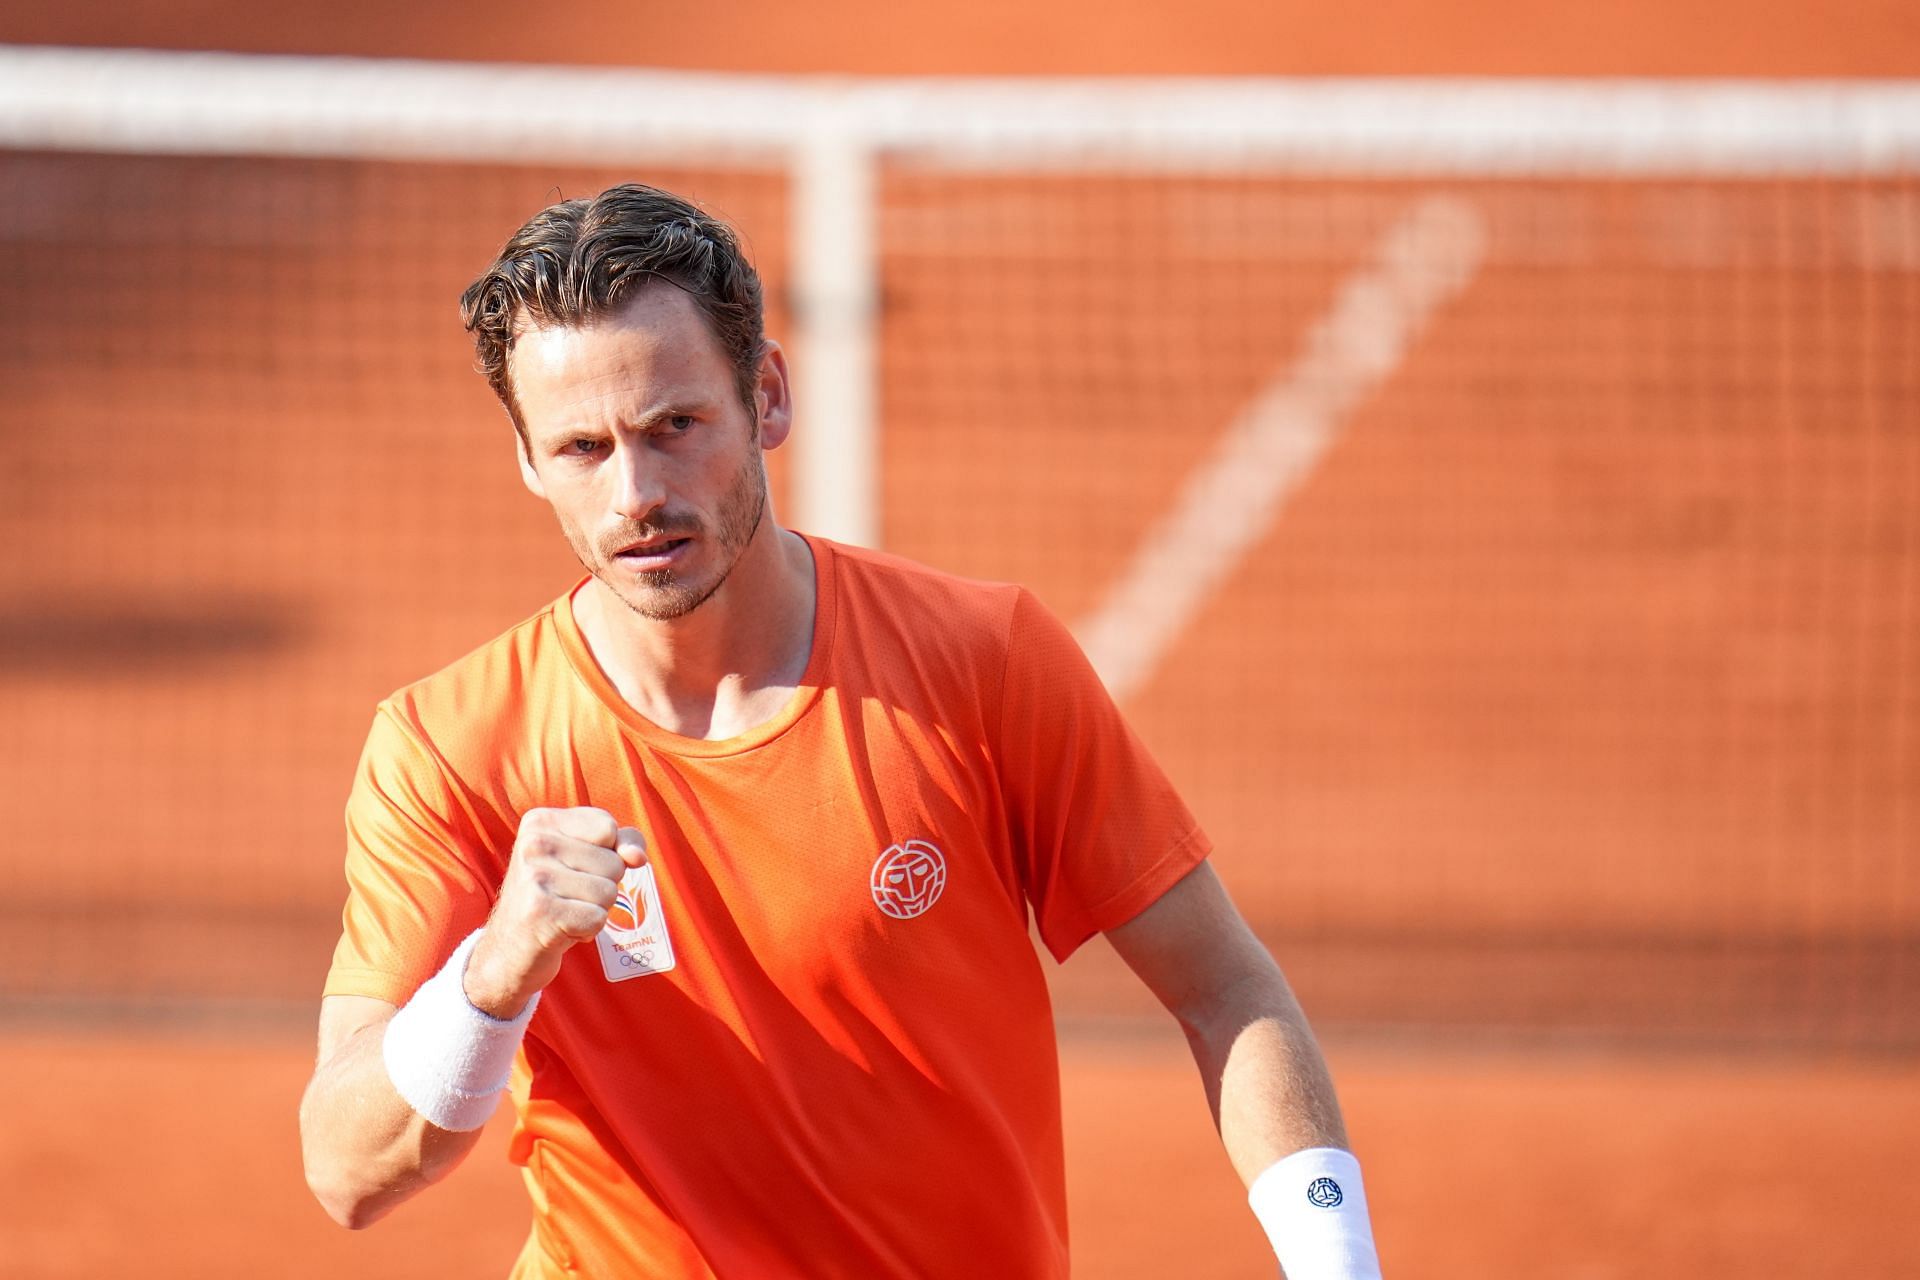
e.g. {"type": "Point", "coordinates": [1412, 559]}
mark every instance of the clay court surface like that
{"type": "Point", "coordinates": [1524, 1164]}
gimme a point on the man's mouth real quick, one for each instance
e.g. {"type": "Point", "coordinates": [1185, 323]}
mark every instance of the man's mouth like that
{"type": "Point", "coordinates": [651, 554]}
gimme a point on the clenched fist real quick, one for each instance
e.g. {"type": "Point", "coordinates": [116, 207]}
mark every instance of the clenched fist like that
{"type": "Point", "coordinates": [565, 870]}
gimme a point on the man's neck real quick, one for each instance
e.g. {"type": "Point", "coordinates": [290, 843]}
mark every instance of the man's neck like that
{"type": "Point", "coordinates": [730, 664]}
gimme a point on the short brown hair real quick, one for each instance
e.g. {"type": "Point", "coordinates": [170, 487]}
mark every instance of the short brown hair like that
{"type": "Point", "coordinates": [579, 260]}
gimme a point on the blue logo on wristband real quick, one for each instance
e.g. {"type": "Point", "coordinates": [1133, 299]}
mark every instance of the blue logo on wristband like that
{"type": "Point", "coordinates": [1324, 1193]}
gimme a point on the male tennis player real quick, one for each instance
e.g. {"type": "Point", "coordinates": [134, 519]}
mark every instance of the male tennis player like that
{"type": "Point", "coordinates": [721, 864]}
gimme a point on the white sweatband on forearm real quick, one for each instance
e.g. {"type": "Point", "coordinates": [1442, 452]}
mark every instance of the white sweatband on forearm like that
{"type": "Point", "coordinates": [1314, 1211]}
{"type": "Point", "coordinates": [449, 1060]}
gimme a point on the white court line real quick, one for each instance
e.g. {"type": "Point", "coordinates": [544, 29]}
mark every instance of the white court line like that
{"type": "Point", "coordinates": [1232, 500]}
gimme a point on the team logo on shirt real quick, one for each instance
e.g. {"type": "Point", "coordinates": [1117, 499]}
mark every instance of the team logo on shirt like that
{"type": "Point", "coordinates": [908, 879]}
{"type": "Point", "coordinates": [635, 941]}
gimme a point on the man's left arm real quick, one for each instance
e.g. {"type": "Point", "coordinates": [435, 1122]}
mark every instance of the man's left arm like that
{"type": "Point", "coordinates": [1266, 1081]}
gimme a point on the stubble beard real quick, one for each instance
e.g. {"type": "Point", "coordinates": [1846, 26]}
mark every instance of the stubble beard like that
{"type": "Point", "coordinates": [665, 595]}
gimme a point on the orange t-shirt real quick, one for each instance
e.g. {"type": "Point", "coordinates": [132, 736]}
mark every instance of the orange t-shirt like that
{"type": "Point", "coordinates": [849, 1069]}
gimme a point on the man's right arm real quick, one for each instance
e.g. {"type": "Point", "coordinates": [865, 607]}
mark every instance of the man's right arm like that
{"type": "Point", "coordinates": [365, 1148]}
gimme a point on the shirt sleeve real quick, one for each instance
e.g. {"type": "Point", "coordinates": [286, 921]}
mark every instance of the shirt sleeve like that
{"type": "Point", "coordinates": [1098, 830]}
{"type": "Point", "coordinates": [412, 889]}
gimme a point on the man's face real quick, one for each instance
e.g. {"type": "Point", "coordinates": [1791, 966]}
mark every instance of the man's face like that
{"type": "Point", "coordinates": [637, 437]}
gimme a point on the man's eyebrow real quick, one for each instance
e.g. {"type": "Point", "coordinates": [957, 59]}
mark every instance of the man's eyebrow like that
{"type": "Point", "coordinates": [568, 431]}
{"type": "Point", "coordinates": [684, 404]}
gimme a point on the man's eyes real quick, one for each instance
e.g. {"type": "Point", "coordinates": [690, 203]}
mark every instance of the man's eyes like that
{"type": "Point", "coordinates": [588, 446]}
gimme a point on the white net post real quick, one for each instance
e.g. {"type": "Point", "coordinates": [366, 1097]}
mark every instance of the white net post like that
{"type": "Point", "coordinates": [836, 454]}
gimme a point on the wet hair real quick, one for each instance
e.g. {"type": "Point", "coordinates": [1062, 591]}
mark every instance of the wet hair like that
{"type": "Point", "coordinates": [578, 261]}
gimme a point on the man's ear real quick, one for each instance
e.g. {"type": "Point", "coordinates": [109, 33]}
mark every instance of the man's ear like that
{"type": "Point", "coordinates": [528, 476]}
{"type": "Point", "coordinates": [773, 397]}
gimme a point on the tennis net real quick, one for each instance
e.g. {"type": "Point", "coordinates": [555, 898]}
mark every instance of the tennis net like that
{"type": "Point", "coordinates": [1498, 504]}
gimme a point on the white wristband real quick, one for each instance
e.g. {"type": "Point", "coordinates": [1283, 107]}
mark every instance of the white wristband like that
{"type": "Point", "coordinates": [1314, 1211]}
{"type": "Point", "coordinates": [449, 1060]}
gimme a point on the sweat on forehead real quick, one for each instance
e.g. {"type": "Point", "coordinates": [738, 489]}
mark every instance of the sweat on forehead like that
{"type": "Point", "coordinates": [654, 351]}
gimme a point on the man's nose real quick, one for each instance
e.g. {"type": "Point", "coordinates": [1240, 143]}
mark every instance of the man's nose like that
{"type": "Point", "coordinates": [638, 483]}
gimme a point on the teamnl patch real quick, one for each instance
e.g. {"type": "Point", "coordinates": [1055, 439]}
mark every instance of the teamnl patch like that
{"type": "Point", "coordinates": [634, 942]}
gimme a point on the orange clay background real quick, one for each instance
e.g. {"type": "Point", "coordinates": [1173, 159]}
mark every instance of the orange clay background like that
{"type": "Point", "coordinates": [1559, 735]}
